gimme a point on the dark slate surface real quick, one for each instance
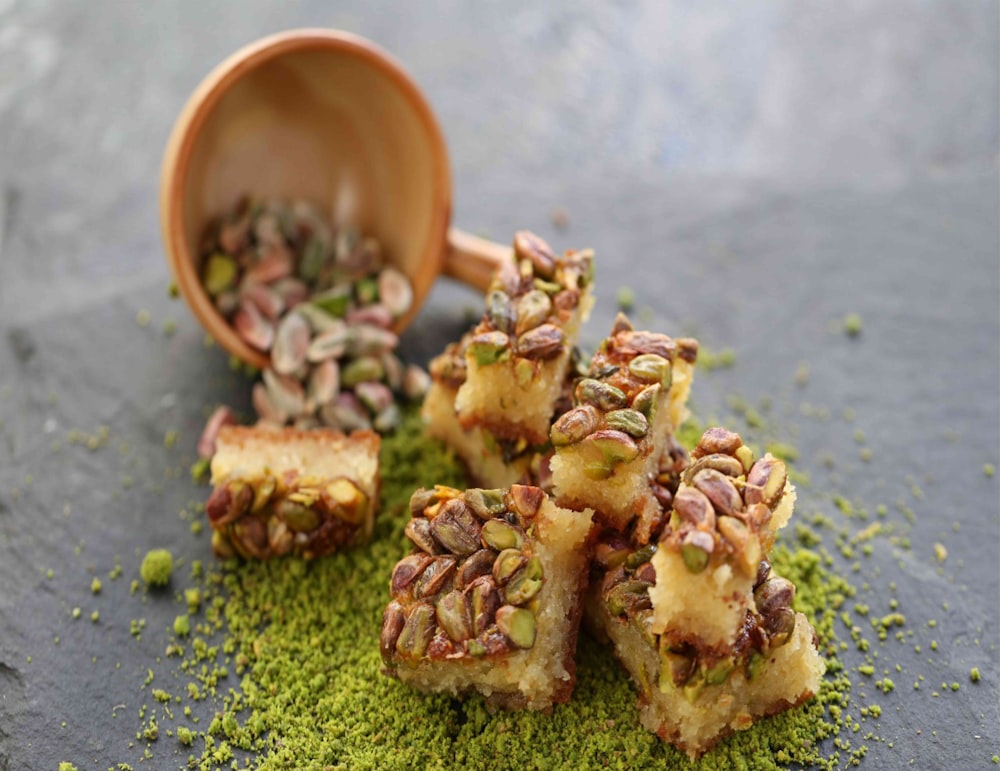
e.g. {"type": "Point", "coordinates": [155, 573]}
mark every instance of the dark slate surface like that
{"type": "Point", "coordinates": [753, 174]}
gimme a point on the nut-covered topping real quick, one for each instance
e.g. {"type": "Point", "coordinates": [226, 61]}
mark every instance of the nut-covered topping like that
{"type": "Point", "coordinates": [454, 616]}
{"type": "Point", "coordinates": [696, 548]}
{"type": "Point", "coordinates": [525, 584]}
{"type": "Point", "coordinates": [776, 592]}
{"type": "Point", "coordinates": [526, 500]}
{"type": "Point", "coordinates": [518, 624]}
{"type": "Point", "coordinates": [650, 368]}
{"type": "Point", "coordinates": [456, 528]}
{"type": "Point", "coordinates": [484, 600]}
{"type": "Point", "coordinates": [720, 490]}
{"type": "Point", "coordinates": [646, 572]}
{"type": "Point", "coordinates": [418, 530]}
{"type": "Point", "coordinates": [488, 348]}
{"type": "Point", "coordinates": [602, 395]}
{"type": "Point", "coordinates": [228, 502]}
{"type": "Point", "coordinates": [417, 632]}
{"type": "Point", "coordinates": [262, 492]}
{"type": "Point", "coordinates": [393, 620]}
{"type": "Point", "coordinates": [694, 506]}
{"type": "Point", "coordinates": [717, 440]}
{"type": "Point", "coordinates": [541, 343]}
{"type": "Point", "coordinates": [574, 426]}
{"type": "Point", "coordinates": [222, 416]}
{"type": "Point", "coordinates": [532, 309]}
{"type": "Point", "coordinates": [475, 566]}
{"type": "Point", "coordinates": [745, 544]}
{"type": "Point", "coordinates": [763, 573]}
{"type": "Point", "coordinates": [528, 246]}
{"type": "Point", "coordinates": [435, 576]}
{"type": "Point", "coordinates": [766, 481]}
{"type": "Point", "coordinates": [499, 311]}
{"type": "Point", "coordinates": [280, 539]}
{"type": "Point", "coordinates": [632, 422]}
{"type": "Point", "coordinates": [500, 535]}
{"type": "Point", "coordinates": [507, 564]}
{"type": "Point", "coordinates": [486, 504]}
{"type": "Point", "coordinates": [406, 571]}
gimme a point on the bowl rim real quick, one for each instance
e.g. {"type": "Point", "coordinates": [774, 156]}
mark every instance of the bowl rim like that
{"type": "Point", "coordinates": [201, 104]}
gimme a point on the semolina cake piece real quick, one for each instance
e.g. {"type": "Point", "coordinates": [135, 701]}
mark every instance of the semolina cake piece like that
{"type": "Point", "coordinates": [490, 462]}
{"type": "Point", "coordinates": [725, 514]}
{"type": "Point", "coordinates": [608, 447]}
{"type": "Point", "coordinates": [491, 598]}
{"type": "Point", "coordinates": [694, 696]}
{"type": "Point", "coordinates": [518, 355]}
{"type": "Point", "coordinates": [286, 491]}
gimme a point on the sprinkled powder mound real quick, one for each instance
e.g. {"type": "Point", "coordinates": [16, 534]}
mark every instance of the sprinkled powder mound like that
{"type": "Point", "coordinates": [311, 695]}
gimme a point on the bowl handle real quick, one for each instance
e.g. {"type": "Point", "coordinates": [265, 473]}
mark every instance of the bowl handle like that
{"type": "Point", "coordinates": [473, 260]}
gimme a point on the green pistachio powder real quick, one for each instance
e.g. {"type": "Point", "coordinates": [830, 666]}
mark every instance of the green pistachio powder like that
{"type": "Point", "coordinates": [285, 655]}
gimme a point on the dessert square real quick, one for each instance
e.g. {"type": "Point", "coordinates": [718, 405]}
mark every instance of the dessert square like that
{"type": "Point", "coordinates": [518, 355]}
{"type": "Point", "coordinates": [490, 599]}
{"type": "Point", "coordinates": [287, 491]}
{"type": "Point", "coordinates": [608, 447]}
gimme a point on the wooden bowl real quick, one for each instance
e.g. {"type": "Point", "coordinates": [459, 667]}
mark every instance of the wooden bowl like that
{"type": "Point", "coordinates": [326, 116]}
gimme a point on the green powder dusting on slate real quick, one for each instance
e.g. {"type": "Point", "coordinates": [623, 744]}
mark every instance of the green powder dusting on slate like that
{"type": "Point", "coordinates": [304, 640]}
{"type": "Point", "coordinates": [156, 567]}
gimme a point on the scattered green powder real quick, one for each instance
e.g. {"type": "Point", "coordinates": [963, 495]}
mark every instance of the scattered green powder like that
{"type": "Point", "coordinates": [311, 686]}
{"type": "Point", "coordinates": [988, 469]}
{"type": "Point", "coordinates": [95, 616]}
{"type": "Point", "coordinates": [95, 585]}
{"type": "Point", "coordinates": [974, 675]}
{"type": "Point", "coordinates": [64, 766]}
{"type": "Point", "coordinates": [709, 359]}
{"type": "Point", "coordinates": [156, 567]}
{"type": "Point", "coordinates": [182, 626]}
{"type": "Point", "coordinates": [852, 324]}
{"type": "Point", "coordinates": [143, 317]}
{"type": "Point", "coordinates": [626, 299]}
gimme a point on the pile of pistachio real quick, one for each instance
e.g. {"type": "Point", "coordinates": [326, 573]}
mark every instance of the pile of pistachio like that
{"type": "Point", "coordinates": [321, 303]}
{"type": "Point", "coordinates": [467, 587]}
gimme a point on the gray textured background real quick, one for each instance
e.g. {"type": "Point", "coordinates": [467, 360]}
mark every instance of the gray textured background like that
{"type": "Point", "coordinates": [754, 172]}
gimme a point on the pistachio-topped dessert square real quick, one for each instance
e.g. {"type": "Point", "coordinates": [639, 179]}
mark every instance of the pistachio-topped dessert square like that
{"type": "Point", "coordinates": [699, 619]}
{"type": "Point", "coordinates": [286, 491]}
{"type": "Point", "coordinates": [518, 355]}
{"type": "Point", "coordinates": [608, 447]}
{"type": "Point", "coordinates": [491, 597]}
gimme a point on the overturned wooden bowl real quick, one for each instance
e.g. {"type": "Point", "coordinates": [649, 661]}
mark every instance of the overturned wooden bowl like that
{"type": "Point", "coordinates": [326, 116]}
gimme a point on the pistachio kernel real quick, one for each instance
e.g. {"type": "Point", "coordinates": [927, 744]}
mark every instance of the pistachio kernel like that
{"type": "Point", "coordinates": [418, 530]}
{"type": "Point", "coordinates": [454, 616]}
{"type": "Point", "coordinates": [434, 577]}
{"type": "Point", "coordinates": [542, 343]}
{"type": "Point", "coordinates": [779, 625]}
{"type": "Point", "coordinates": [774, 593]}
{"type": "Point", "coordinates": [393, 620]}
{"type": "Point", "coordinates": [475, 566]}
{"type": "Point", "coordinates": [417, 632]}
{"type": "Point", "coordinates": [724, 464]}
{"type": "Point", "coordinates": [486, 504]}
{"type": "Point", "coordinates": [499, 311]}
{"type": "Point", "coordinates": [525, 500]}
{"type": "Point", "coordinates": [298, 517]}
{"type": "Point", "coordinates": [693, 506]}
{"type": "Point", "coordinates": [650, 368]}
{"type": "Point", "coordinates": [484, 600]}
{"type": "Point", "coordinates": [766, 481]}
{"type": "Point", "coordinates": [501, 535]}
{"type": "Point", "coordinates": [602, 395]}
{"type": "Point", "coordinates": [631, 422]}
{"type": "Point", "coordinates": [720, 490]}
{"type": "Point", "coordinates": [532, 309]}
{"type": "Point", "coordinates": [528, 246]}
{"type": "Point", "coordinates": [574, 426]}
{"type": "Point", "coordinates": [517, 624]}
{"type": "Point", "coordinates": [646, 401]}
{"type": "Point", "coordinates": [228, 502]}
{"type": "Point", "coordinates": [406, 571]}
{"type": "Point", "coordinates": [456, 528]}
{"type": "Point", "coordinates": [345, 500]}
{"type": "Point", "coordinates": [525, 584]}
{"type": "Point", "coordinates": [718, 440]}
{"type": "Point", "coordinates": [696, 548]}
{"type": "Point", "coordinates": [488, 348]}
{"type": "Point", "coordinates": [507, 564]}
{"type": "Point", "coordinates": [628, 596]}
